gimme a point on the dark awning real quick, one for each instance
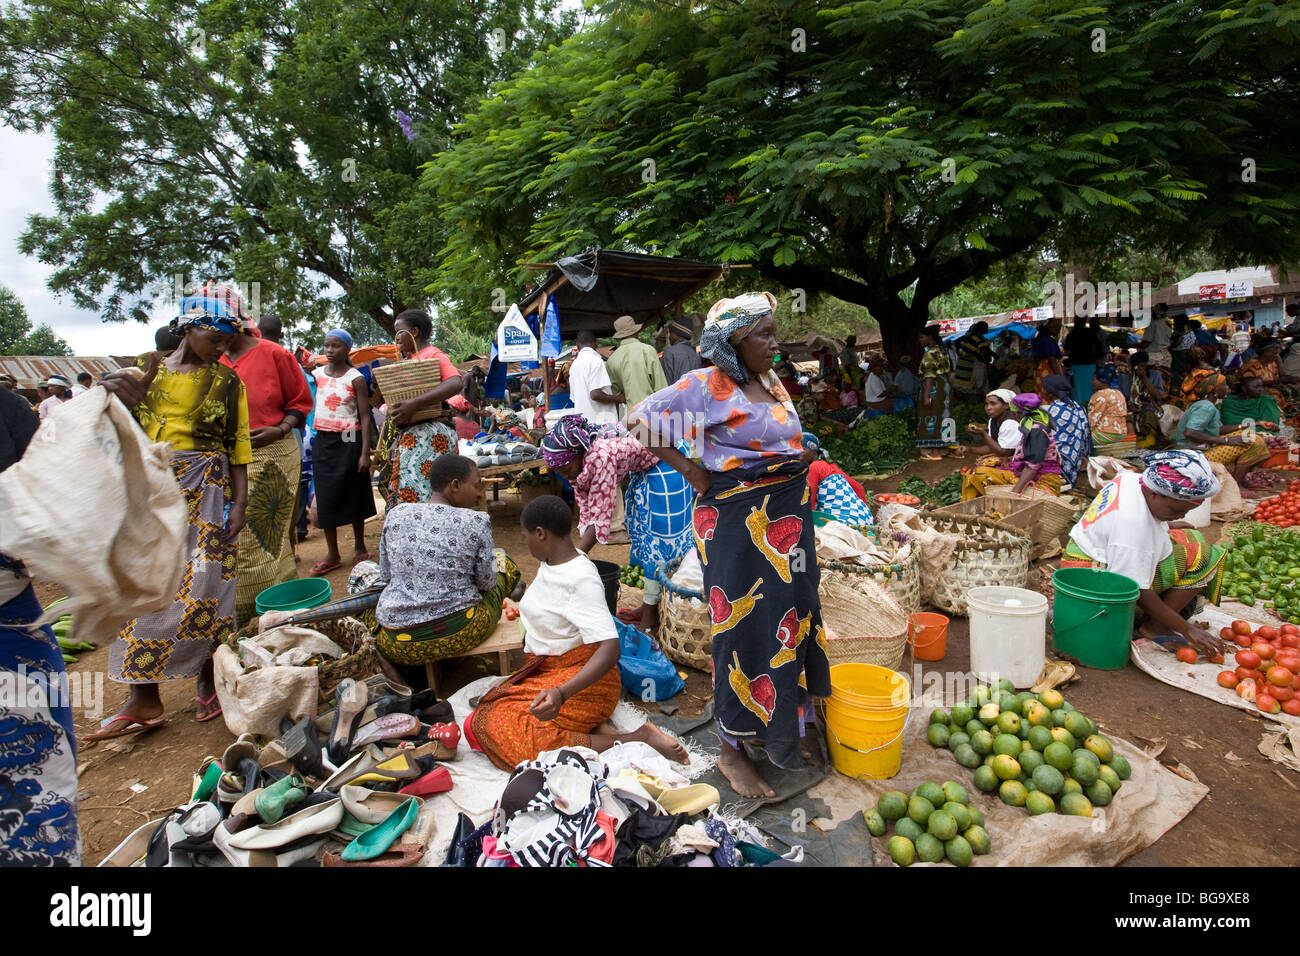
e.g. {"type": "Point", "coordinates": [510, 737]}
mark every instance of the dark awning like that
{"type": "Point", "coordinates": [595, 287]}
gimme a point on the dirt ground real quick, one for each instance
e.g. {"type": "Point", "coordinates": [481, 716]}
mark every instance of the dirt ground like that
{"type": "Point", "coordinates": [1217, 743]}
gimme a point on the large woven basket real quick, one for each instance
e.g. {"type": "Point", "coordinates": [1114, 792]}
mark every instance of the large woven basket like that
{"type": "Point", "coordinates": [989, 553]}
{"type": "Point", "coordinates": [868, 625]}
{"type": "Point", "coordinates": [1057, 517]}
{"type": "Point", "coordinates": [1017, 513]}
{"type": "Point", "coordinates": [360, 658]}
{"type": "Point", "coordinates": [685, 625]}
{"type": "Point", "coordinates": [901, 577]}
{"type": "Point", "coordinates": [409, 379]}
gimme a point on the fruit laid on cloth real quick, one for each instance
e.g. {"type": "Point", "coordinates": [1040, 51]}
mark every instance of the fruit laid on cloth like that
{"type": "Point", "coordinates": [933, 822]}
{"type": "Point", "coordinates": [1036, 751]}
{"type": "Point", "coordinates": [1266, 667]}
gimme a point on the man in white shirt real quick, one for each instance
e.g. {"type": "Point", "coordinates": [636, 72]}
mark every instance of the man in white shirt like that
{"type": "Point", "coordinates": [589, 386]}
{"type": "Point", "coordinates": [84, 381]}
{"type": "Point", "coordinates": [58, 386]}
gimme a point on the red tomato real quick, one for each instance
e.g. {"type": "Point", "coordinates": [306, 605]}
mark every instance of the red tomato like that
{"type": "Point", "coordinates": [1267, 633]}
{"type": "Point", "coordinates": [1290, 640]}
{"type": "Point", "coordinates": [1280, 676]}
{"type": "Point", "coordinates": [1246, 690]}
{"type": "Point", "coordinates": [1241, 640]}
{"type": "Point", "coordinates": [1248, 659]}
{"type": "Point", "coordinates": [1215, 658]}
{"type": "Point", "coordinates": [1290, 661]}
{"type": "Point", "coordinates": [1264, 649]}
{"type": "Point", "coordinates": [1240, 627]}
{"type": "Point", "coordinates": [1268, 704]}
{"type": "Point", "coordinates": [1290, 629]}
{"type": "Point", "coordinates": [1292, 707]}
{"type": "Point", "coordinates": [1283, 694]}
{"type": "Point", "coordinates": [1227, 634]}
{"type": "Point", "coordinates": [1228, 679]}
{"type": "Point", "coordinates": [1186, 654]}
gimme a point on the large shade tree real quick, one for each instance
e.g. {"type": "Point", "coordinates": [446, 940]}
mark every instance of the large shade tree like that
{"type": "Point", "coordinates": [275, 142]}
{"type": "Point", "coordinates": [885, 152]}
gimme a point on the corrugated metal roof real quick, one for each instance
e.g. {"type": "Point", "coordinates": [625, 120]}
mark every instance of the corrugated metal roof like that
{"type": "Point", "coordinates": [30, 370]}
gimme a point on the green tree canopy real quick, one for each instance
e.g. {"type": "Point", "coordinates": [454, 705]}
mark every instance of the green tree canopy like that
{"type": "Point", "coordinates": [254, 139]}
{"type": "Point", "coordinates": [17, 337]}
{"type": "Point", "coordinates": [885, 151]}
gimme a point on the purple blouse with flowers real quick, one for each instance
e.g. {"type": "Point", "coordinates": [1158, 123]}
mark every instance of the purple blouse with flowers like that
{"type": "Point", "coordinates": [736, 432]}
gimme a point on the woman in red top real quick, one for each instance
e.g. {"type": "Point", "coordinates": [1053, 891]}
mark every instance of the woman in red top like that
{"type": "Point", "coordinates": [278, 402]}
{"type": "Point", "coordinates": [409, 448]}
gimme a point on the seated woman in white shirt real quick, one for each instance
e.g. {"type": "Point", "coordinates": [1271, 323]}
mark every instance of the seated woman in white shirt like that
{"type": "Point", "coordinates": [1133, 528]}
{"type": "Point", "coordinates": [1002, 437]}
{"type": "Point", "coordinates": [569, 685]}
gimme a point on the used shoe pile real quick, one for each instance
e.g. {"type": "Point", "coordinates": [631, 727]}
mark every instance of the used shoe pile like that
{"type": "Point", "coordinates": [372, 759]}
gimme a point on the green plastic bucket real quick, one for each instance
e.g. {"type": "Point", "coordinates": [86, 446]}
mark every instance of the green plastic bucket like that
{"type": "Point", "coordinates": [300, 594]}
{"type": "Point", "coordinates": [1092, 616]}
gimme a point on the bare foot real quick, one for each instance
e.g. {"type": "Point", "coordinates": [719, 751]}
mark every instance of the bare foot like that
{"type": "Point", "coordinates": [740, 773]}
{"type": "Point", "coordinates": [1151, 631]}
{"type": "Point", "coordinates": [649, 618]}
{"type": "Point", "coordinates": [666, 745]}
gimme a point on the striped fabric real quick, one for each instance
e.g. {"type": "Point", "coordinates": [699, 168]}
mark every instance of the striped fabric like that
{"type": "Point", "coordinates": [557, 826]}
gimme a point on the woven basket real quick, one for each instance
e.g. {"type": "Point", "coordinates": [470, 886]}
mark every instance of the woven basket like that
{"type": "Point", "coordinates": [901, 578]}
{"type": "Point", "coordinates": [1115, 449]}
{"type": "Point", "coordinates": [360, 658]}
{"type": "Point", "coordinates": [869, 625]}
{"type": "Point", "coordinates": [685, 628]}
{"type": "Point", "coordinates": [410, 379]}
{"type": "Point", "coordinates": [990, 553]}
{"type": "Point", "coordinates": [1022, 515]}
{"type": "Point", "coordinates": [1057, 517]}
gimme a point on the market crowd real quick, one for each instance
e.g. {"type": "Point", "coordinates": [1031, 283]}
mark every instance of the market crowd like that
{"type": "Point", "coordinates": [265, 445]}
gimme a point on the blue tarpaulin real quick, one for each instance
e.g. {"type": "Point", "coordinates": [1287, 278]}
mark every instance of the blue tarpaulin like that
{"type": "Point", "coordinates": [1020, 328]}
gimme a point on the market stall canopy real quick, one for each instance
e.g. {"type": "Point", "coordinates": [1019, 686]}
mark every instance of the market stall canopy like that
{"type": "Point", "coordinates": [1227, 285]}
{"type": "Point", "coordinates": [595, 287]}
{"type": "Point", "coordinates": [30, 370]}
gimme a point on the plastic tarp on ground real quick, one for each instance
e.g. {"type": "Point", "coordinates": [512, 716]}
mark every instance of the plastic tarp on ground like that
{"type": "Point", "coordinates": [1148, 805]}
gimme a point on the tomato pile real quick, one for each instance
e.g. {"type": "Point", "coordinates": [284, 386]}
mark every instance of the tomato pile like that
{"type": "Point", "coordinates": [1282, 510]}
{"type": "Point", "coordinates": [1263, 562]}
{"type": "Point", "coordinates": [1268, 661]}
{"type": "Point", "coordinates": [898, 499]}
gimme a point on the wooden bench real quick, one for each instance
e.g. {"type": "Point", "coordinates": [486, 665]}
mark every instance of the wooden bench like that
{"type": "Point", "coordinates": [501, 642]}
{"type": "Point", "coordinates": [494, 475]}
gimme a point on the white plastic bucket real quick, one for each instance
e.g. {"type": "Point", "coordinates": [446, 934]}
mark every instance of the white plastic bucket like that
{"type": "Point", "coordinates": [1008, 633]}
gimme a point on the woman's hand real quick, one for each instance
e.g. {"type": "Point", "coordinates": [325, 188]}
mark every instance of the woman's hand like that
{"type": "Point", "coordinates": [546, 705]}
{"type": "Point", "coordinates": [261, 437]}
{"type": "Point", "coordinates": [402, 411]}
{"type": "Point", "coordinates": [1205, 643]}
{"type": "Point", "coordinates": [129, 385]}
{"type": "Point", "coordinates": [363, 463]}
{"type": "Point", "coordinates": [234, 523]}
{"type": "Point", "coordinates": [698, 478]}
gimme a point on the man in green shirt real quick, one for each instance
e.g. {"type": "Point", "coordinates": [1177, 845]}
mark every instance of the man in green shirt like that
{"type": "Point", "coordinates": [634, 368]}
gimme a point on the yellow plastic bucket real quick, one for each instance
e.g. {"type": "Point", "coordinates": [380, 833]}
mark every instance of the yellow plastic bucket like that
{"type": "Point", "coordinates": [865, 717]}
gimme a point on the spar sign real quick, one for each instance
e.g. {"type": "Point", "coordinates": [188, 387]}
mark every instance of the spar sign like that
{"type": "Point", "coordinates": [1236, 289]}
{"type": "Point", "coordinates": [514, 339]}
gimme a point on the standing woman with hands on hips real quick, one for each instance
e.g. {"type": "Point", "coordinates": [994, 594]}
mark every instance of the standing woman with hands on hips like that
{"type": "Point", "coordinates": [198, 406]}
{"type": "Point", "coordinates": [754, 530]}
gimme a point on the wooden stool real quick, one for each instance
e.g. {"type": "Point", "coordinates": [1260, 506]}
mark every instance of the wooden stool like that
{"type": "Point", "coordinates": [502, 641]}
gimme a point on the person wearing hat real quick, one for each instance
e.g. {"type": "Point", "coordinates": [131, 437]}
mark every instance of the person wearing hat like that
{"type": "Point", "coordinates": [680, 357]}
{"type": "Point", "coordinates": [1002, 436]}
{"type": "Point", "coordinates": [59, 393]}
{"type": "Point", "coordinates": [8, 381]}
{"type": "Point", "coordinates": [199, 407]}
{"type": "Point", "coordinates": [634, 369]}
{"type": "Point", "coordinates": [1134, 528]}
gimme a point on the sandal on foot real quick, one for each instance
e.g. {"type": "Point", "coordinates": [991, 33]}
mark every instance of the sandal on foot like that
{"type": "Point", "coordinates": [207, 703]}
{"type": "Point", "coordinates": [135, 725]}
{"type": "Point", "coordinates": [324, 567]}
{"type": "Point", "coordinates": [358, 558]}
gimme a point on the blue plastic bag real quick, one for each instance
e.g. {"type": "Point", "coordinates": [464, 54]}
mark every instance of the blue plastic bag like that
{"type": "Point", "coordinates": [640, 662]}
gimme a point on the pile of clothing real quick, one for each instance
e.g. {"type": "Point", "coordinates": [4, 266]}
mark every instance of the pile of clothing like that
{"type": "Point", "coordinates": [497, 451]}
{"type": "Point", "coordinates": [346, 788]}
{"type": "Point", "coordinates": [570, 807]}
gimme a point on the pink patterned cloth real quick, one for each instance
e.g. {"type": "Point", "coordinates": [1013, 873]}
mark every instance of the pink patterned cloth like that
{"type": "Point", "coordinates": [608, 462]}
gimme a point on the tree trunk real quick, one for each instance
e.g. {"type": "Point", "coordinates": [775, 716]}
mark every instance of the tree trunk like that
{"type": "Point", "coordinates": [900, 327]}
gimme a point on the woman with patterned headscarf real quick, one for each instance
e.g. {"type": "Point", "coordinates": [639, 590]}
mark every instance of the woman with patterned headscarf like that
{"type": "Point", "coordinates": [595, 460]}
{"type": "Point", "coordinates": [199, 407]}
{"type": "Point", "coordinates": [1036, 461]}
{"type": "Point", "coordinates": [754, 530]}
{"type": "Point", "coordinates": [933, 413]}
{"type": "Point", "coordinates": [1070, 427]}
{"type": "Point", "coordinates": [1201, 428]}
{"type": "Point", "coordinates": [1134, 528]}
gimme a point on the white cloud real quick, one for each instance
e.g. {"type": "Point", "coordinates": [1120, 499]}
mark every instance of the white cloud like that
{"type": "Point", "coordinates": [26, 159]}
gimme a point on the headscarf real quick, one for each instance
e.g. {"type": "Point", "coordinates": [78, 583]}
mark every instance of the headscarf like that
{"type": "Point", "coordinates": [1184, 475]}
{"type": "Point", "coordinates": [1060, 386]}
{"type": "Point", "coordinates": [217, 308]}
{"type": "Point", "coordinates": [812, 443]}
{"type": "Point", "coordinates": [727, 324]}
{"type": "Point", "coordinates": [341, 335]}
{"type": "Point", "coordinates": [1209, 383]}
{"type": "Point", "coordinates": [1032, 412]}
{"type": "Point", "coordinates": [1107, 375]}
{"type": "Point", "coordinates": [571, 436]}
{"type": "Point", "coordinates": [1004, 395]}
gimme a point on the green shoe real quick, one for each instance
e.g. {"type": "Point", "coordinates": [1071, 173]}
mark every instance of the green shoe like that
{"type": "Point", "coordinates": [284, 793]}
{"type": "Point", "coordinates": [377, 839]}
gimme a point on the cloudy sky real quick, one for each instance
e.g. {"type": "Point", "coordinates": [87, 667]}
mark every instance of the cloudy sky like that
{"type": "Point", "coordinates": [26, 159]}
